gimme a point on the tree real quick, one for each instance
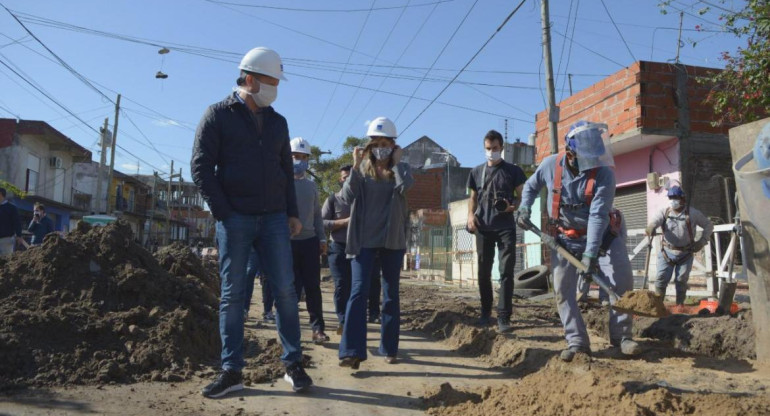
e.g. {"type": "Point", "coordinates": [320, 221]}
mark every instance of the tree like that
{"type": "Point", "coordinates": [741, 92]}
{"type": "Point", "coordinates": [326, 171]}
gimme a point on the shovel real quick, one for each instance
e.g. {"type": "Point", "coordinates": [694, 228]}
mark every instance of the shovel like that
{"type": "Point", "coordinates": [597, 277]}
{"type": "Point", "coordinates": [647, 261]}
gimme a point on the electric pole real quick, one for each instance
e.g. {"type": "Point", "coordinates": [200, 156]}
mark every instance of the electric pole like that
{"type": "Point", "coordinates": [569, 77]}
{"type": "Point", "coordinates": [102, 161]}
{"type": "Point", "coordinates": [110, 201]}
{"type": "Point", "coordinates": [553, 110]}
{"type": "Point", "coordinates": [168, 198]}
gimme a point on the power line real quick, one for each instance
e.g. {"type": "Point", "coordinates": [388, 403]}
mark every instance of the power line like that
{"type": "Point", "coordinates": [294, 74]}
{"type": "Point", "coordinates": [466, 64]}
{"type": "Point", "coordinates": [377, 55]}
{"type": "Point", "coordinates": [390, 71]}
{"type": "Point", "coordinates": [294, 9]}
{"type": "Point", "coordinates": [334, 91]}
{"type": "Point", "coordinates": [618, 30]}
{"type": "Point", "coordinates": [589, 49]}
{"type": "Point", "coordinates": [61, 61]}
{"type": "Point", "coordinates": [457, 29]}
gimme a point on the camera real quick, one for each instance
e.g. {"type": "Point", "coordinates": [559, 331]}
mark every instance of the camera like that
{"type": "Point", "coordinates": [500, 202]}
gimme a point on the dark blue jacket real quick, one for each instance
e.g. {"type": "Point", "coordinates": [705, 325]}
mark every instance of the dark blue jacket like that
{"type": "Point", "coordinates": [237, 168]}
{"type": "Point", "coordinates": [10, 223]}
{"type": "Point", "coordinates": [40, 229]}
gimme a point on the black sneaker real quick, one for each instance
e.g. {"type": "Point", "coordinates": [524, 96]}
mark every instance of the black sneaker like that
{"type": "Point", "coordinates": [504, 325]}
{"type": "Point", "coordinates": [485, 320]}
{"type": "Point", "coordinates": [297, 377]}
{"type": "Point", "coordinates": [227, 381]}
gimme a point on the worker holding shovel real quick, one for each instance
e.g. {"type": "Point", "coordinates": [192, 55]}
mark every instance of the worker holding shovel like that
{"type": "Point", "coordinates": [581, 188]}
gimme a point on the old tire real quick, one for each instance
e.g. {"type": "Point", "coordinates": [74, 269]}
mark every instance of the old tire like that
{"type": "Point", "coordinates": [532, 278]}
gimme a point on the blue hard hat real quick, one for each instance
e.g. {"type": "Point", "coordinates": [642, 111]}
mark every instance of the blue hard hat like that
{"type": "Point", "coordinates": [675, 191]}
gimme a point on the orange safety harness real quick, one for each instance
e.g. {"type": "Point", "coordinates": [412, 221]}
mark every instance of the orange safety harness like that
{"type": "Point", "coordinates": [556, 199]}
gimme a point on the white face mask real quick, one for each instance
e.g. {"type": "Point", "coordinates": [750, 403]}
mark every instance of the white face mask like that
{"type": "Point", "coordinates": [494, 156]}
{"type": "Point", "coordinates": [381, 153]}
{"type": "Point", "coordinates": [675, 203]}
{"type": "Point", "coordinates": [266, 95]}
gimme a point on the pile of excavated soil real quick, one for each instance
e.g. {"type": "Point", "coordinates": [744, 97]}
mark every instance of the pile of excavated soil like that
{"type": "Point", "coordinates": [570, 389]}
{"type": "Point", "coordinates": [96, 307]}
{"type": "Point", "coordinates": [642, 302]}
{"type": "Point", "coordinates": [713, 336]}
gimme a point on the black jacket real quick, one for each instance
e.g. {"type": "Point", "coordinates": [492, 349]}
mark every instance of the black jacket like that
{"type": "Point", "coordinates": [237, 168]}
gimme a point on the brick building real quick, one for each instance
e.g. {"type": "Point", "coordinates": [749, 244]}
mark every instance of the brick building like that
{"type": "Point", "coordinates": [661, 133]}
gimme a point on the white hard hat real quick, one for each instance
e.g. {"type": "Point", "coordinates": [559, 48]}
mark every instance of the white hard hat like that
{"type": "Point", "coordinates": [263, 61]}
{"type": "Point", "coordinates": [382, 127]}
{"type": "Point", "coordinates": [300, 145]}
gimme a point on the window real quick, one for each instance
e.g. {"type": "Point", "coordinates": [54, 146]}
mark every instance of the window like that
{"type": "Point", "coordinates": [33, 171]}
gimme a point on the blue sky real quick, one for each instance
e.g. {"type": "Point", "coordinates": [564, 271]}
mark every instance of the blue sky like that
{"type": "Point", "coordinates": [344, 68]}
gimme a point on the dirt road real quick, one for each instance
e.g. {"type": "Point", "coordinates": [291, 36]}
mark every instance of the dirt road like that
{"type": "Point", "coordinates": [486, 372]}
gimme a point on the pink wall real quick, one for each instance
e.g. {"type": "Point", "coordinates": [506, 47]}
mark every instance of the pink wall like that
{"type": "Point", "coordinates": [632, 168]}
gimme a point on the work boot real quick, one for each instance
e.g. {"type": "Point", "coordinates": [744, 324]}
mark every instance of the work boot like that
{"type": "Point", "coordinates": [504, 325]}
{"type": "Point", "coordinates": [339, 329]}
{"type": "Point", "coordinates": [569, 354]}
{"type": "Point", "coordinates": [485, 320]}
{"type": "Point", "coordinates": [630, 347]}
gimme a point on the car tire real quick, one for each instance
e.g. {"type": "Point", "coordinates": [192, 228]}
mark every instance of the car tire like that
{"type": "Point", "coordinates": [532, 278]}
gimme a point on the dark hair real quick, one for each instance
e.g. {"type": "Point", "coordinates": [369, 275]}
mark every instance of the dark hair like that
{"type": "Point", "coordinates": [241, 81]}
{"type": "Point", "coordinates": [39, 206]}
{"type": "Point", "coordinates": [494, 135]}
{"type": "Point", "coordinates": [3, 192]}
{"type": "Point", "coordinates": [346, 168]}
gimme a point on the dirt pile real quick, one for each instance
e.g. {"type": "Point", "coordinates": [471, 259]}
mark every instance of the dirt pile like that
{"type": "Point", "coordinates": [642, 302]}
{"type": "Point", "coordinates": [96, 307]}
{"type": "Point", "coordinates": [569, 389]}
{"type": "Point", "coordinates": [713, 336]}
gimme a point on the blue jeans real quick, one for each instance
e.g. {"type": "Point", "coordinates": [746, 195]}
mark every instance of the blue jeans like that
{"type": "Point", "coordinates": [339, 265]}
{"type": "Point", "coordinates": [353, 342]}
{"type": "Point", "coordinates": [269, 235]}
{"type": "Point", "coordinates": [680, 270]}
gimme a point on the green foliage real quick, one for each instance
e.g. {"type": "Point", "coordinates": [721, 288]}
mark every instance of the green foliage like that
{"type": "Point", "coordinates": [11, 188]}
{"type": "Point", "coordinates": [741, 93]}
{"type": "Point", "coordinates": [327, 171]}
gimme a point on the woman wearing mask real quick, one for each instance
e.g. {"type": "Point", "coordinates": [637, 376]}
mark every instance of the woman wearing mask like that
{"type": "Point", "coordinates": [376, 190]}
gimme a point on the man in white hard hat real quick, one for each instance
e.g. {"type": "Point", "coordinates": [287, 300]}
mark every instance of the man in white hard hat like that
{"type": "Point", "coordinates": [310, 243]}
{"type": "Point", "coordinates": [242, 164]}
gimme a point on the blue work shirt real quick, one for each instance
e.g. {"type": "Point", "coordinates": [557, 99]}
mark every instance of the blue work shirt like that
{"type": "Point", "coordinates": [595, 218]}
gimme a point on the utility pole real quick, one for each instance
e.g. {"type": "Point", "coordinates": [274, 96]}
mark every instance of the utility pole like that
{"type": "Point", "coordinates": [110, 203]}
{"type": "Point", "coordinates": [506, 131]}
{"type": "Point", "coordinates": [102, 161]}
{"type": "Point", "coordinates": [569, 77]}
{"type": "Point", "coordinates": [154, 203]}
{"type": "Point", "coordinates": [168, 197]}
{"type": "Point", "coordinates": [679, 38]}
{"type": "Point", "coordinates": [553, 110]}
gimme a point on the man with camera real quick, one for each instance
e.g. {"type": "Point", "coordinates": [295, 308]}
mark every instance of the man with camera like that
{"type": "Point", "coordinates": [490, 217]}
{"type": "Point", "coordinates": [40, 226]}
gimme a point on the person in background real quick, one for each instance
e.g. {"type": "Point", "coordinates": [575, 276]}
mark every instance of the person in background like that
{"type": "Point", "coordinates": [40, 226]}
{"type": "Point", "coordinates": [10, 225]}
{"type": "Point", "coordinates": [254, 270]}
{"type": "Point", "coordinates": [242, 165]}
{"type": "Point", "coordinates": [676, 253]}
{"type": "Point", "coordinates": [376, 190]}
{"type": "Point", "coordinates": [490, 216]}
{"type": "Point", "coordinates": [336, 216]}
{"type": "Point", "coordinates": [310, 243]}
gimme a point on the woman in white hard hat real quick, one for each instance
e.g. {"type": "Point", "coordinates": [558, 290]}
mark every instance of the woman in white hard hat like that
{"type": "Point", "coordinates": [376, 189]}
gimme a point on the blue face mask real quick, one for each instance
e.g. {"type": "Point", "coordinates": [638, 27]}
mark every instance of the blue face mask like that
{"type": "Point", "coordinates": [300, 166]}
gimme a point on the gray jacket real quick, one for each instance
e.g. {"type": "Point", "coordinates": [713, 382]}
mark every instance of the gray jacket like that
{"type": "Point", "coordinates": [352, 193]}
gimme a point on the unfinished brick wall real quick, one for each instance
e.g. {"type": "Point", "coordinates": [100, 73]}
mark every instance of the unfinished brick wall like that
{"type": "Point", "coordinates": [426, 192]}
{"type": "Point", "coordinates": [642, 96]}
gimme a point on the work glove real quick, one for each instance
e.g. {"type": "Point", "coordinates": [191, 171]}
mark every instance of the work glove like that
{"type": "Point", "coordinates": [698, 246]}
{"type": "Point", "coordinates": [522, 217]}
{"type": "Point", "coordinates": [591, 262]}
